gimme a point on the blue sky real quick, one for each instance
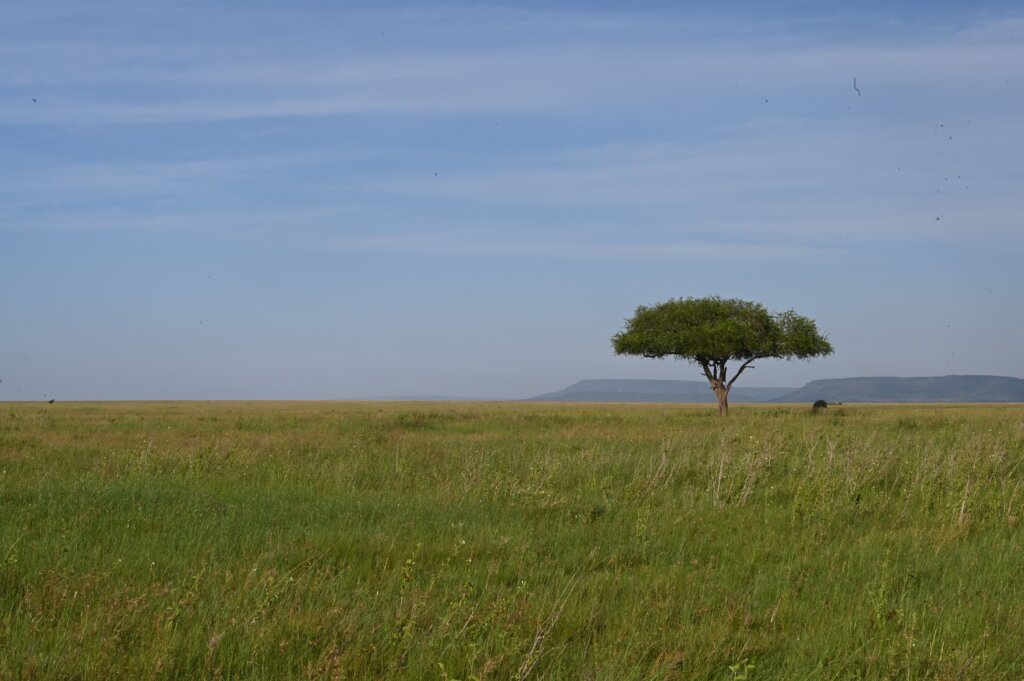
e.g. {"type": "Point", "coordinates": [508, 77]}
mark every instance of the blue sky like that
{"type": "Point", "coordinates": [331, 200]}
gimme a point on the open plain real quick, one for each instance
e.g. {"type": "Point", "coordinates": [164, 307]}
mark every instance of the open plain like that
{"type": "Point", "coordinates": [323, 540]}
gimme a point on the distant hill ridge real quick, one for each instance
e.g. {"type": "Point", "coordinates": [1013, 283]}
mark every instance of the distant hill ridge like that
{"type": "Point", "coordinates": [863, 389]}
{"type": "Point", "coordinates": [918, 389]}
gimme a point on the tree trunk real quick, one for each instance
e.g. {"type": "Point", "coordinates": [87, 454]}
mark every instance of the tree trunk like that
{"type": "Point", "coordinates": [722, 393]}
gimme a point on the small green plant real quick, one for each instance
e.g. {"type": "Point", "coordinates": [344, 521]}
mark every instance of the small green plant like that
{"type": "Point", "coordinates": [742, 670]}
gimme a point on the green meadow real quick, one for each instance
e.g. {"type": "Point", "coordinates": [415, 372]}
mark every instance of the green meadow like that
{"type": "Point", "coordinates": [510, 541]}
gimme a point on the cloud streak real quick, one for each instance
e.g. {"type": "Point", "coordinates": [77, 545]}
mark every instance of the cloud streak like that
{"type": "Point", "coordinates": [460, 244]}
{"type": "Point", "coordinates": [433, 69]}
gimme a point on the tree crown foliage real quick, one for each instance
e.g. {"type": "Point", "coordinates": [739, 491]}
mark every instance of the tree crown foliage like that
{"type": "Point", "coordinates": [716, 330]}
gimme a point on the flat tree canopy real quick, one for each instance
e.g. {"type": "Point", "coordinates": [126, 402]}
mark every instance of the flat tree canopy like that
{"type": "Point", "coordinates": [714, 331]}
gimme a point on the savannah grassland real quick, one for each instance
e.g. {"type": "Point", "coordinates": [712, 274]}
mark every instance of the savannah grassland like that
{"type": "Point", "coordinates": [498, 541]}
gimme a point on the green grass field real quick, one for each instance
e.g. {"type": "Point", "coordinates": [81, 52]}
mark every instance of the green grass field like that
{"type": "Point", "coordinates": [498, 541]}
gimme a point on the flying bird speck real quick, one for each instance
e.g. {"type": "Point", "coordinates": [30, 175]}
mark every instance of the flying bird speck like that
{"type": "Point", "coordinates": [855, 87]}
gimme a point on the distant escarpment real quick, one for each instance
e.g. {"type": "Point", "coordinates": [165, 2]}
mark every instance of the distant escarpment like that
{"type": "Point", "coordinates": [921, 389]}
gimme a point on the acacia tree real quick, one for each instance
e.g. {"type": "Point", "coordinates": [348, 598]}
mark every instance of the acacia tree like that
{"type": "Point", "coordinates": [713, 331]}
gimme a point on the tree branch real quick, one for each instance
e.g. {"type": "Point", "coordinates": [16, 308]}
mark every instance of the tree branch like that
{"type": "Point", "coordinates": [707, 372]}
{"type": "Point", "coordinates": [742, 367]}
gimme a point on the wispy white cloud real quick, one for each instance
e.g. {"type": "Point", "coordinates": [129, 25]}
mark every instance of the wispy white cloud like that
{"type": "Point", "coordinates": [705, 153]}
{"type": "Point", "coordinates": [774, 182]}
{"type": "Point", "coordinates": [26, 177]}
{"type": "Point", "coordinates": [846, 181]}
{"type": "Point", "coordinates": [461, 244]}
{"type": "Point", "coordinates": [529, 62]}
